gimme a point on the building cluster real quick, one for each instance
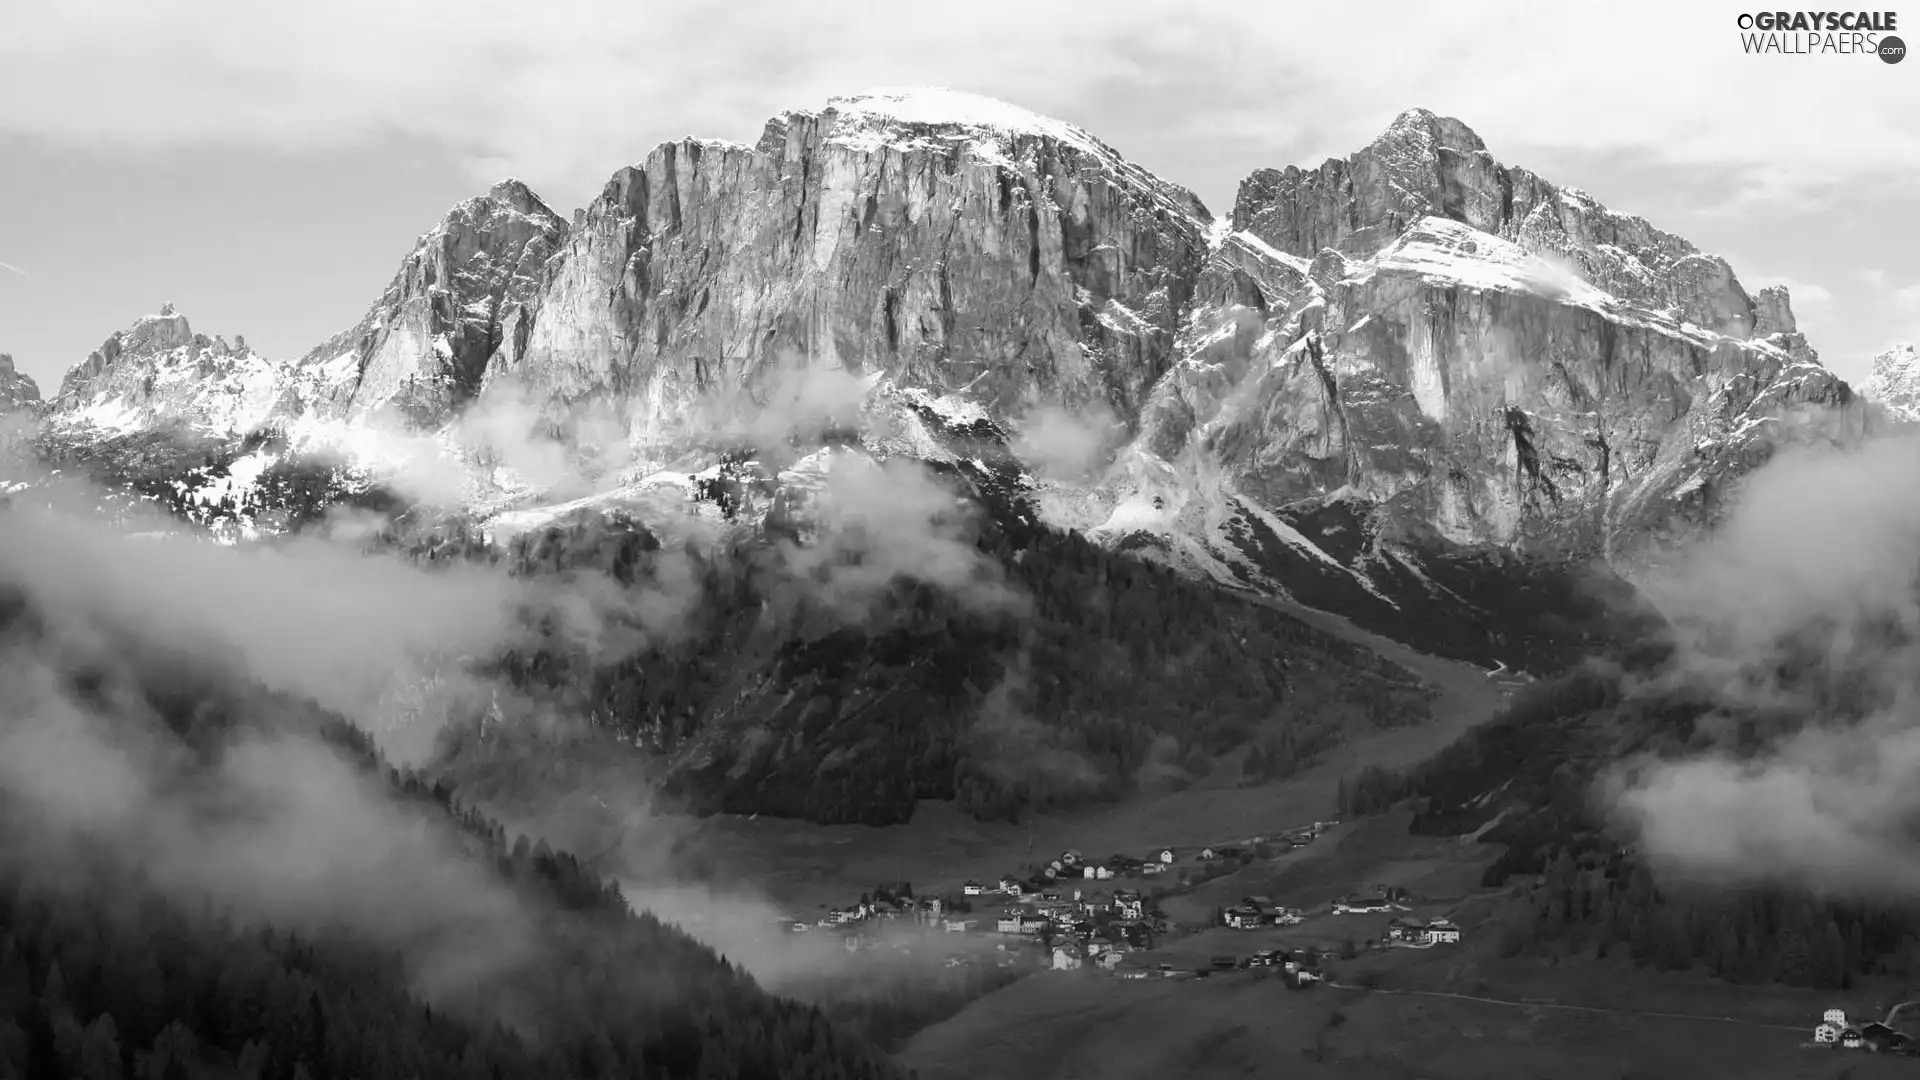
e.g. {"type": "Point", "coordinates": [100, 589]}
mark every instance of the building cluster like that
{"type": "Point", "coordinates": [1255, 912]}
{"type": "Point", "coordinates": [1371, 900]}
{"type": "Point", "coordinates": [1413, 933]}
{"type": "Point", "coordinates": [1836, 1030]}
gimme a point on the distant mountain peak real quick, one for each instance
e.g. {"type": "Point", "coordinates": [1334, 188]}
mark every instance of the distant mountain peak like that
{"type": "Point", "coordinates": [1433, 129]}
{"type": "Point", "coordinates": [1893, 381]}
{"type": "Point", "coordinates": [17, 389]}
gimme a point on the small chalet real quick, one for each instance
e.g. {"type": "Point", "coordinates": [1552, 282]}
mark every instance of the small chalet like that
{"type": "Point", "coordinates": [1166, 856]}
{"type": "Point", "coordinates": [1357, 905]}
{"type": "Point", "coordinates": [1153, 869]}
{"type": "Point", "coordinates": [1129, 904]}
{"type": "Point", "coordinates": [1070, 858]}
{"type": "Point", "coordinates": [1405, 929]}
{"type": "Point", "coordinates": [1243, 918]}
{"type": "Point", "coordinates": [1880, 1038]}
{"type": "Point", "coordinates": [1206, 853]}
{"type": "Point", "coordinates": [1068, 957]}
{"type": "Point", "coordinates": [971, 888]}
{"type": "Point", "coordinates": [1010, 884]}
{"type": "Point", "coordinates": [1442, 932]}
{"type": "Point", "coordinates": [1097, 902]}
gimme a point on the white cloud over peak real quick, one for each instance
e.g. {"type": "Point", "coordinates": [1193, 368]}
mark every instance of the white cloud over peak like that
{"type": "Point", "coordinates": [565, 92]}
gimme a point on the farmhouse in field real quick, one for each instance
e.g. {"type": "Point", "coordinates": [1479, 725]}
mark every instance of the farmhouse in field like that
{"type": "Point", "coordinates": [1245, 918]}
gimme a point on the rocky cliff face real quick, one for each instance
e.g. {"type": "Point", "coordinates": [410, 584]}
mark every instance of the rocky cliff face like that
{"type": "Point", "coordinates": [1371, 388]}
{"type": "Point", "coordinates": [414, 360]}
{"type": "Point", "coordinates": [937, 240]}
{"type": "Point", "coordinates": [18, 391]}
{"type": "Point", "coordinates": [1459, 352]}
{"type": "Point", "coordinates": [160, 373]}
{"type": "Point", "coordinates": [460, 296]}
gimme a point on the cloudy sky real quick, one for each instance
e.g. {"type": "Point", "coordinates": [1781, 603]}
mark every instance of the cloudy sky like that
{"type": "Point", "coordinates": [265, 166]}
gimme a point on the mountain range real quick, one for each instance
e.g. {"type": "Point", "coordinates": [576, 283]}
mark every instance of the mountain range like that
{"type": "Point", "coordinates": [1415, 386]}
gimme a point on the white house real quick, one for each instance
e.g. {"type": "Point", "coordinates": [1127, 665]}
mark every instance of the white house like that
{"type": "Point", "coordinates": [1851, 1040]}
{"type": "Point", "coordinates": [1067, 958]}
{"type": "Point", "coordinates": [1827, 1032]}
{"type": "Point", "coordinates": [1836, 1017]}
{"type": "Point", "coordinates": [1008, 923]}
{"type": "Point", "coordinates": [971, 888]}
{"type": "Point", "coordinates": [1166, 855]}
{"type": "Point", "coordinates": [1442, 932]}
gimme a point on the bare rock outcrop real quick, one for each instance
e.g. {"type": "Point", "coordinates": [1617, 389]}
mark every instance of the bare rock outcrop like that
{"type": "Point", "coordinates": [459, 297]}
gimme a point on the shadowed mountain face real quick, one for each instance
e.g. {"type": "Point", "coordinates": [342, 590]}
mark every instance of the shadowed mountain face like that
{"type": "Point", "coordinates": [1415, 386]}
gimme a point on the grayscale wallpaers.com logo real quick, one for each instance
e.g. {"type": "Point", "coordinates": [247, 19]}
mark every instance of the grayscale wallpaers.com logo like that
{"type": "Point", "coordinates": [1823, 33]}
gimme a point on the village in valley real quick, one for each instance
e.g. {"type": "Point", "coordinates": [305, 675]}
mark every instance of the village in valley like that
{"type": "Point", "coordinates": [1075, 913]}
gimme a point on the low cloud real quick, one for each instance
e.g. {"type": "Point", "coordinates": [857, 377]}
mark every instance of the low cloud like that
{"type": "Point", "coordinates": [869, 524]}
{"type": "Point", "coordinates": [274, 826]}
{"type": "Point", "coordinates": [1066, 444]}
{"type": "Point", "coordinates": [1801, 618]}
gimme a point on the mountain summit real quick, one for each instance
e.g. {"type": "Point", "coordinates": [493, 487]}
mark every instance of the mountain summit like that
{"type": "Point", "coordinates": [1371, 379]}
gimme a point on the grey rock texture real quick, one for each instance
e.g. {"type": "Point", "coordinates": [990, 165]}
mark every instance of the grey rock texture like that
{"type": "Point", "coordinates": [957, 245]}
{"type": "Point", "coordinates": [18, 391]}
{"type": "Point", "coordinates": [1366, 370]}
{"type": "Point", "coordinates": [460, 296]}
{"type": "Point", "coordinates": [160, 373]}
{"type": "Point", "coordinates": [1893, 383]}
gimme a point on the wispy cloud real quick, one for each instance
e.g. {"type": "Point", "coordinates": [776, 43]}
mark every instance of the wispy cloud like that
{"type": "Point", "coordinates": [564, 98]}
{"type": "Point", "coordinates": [17, 270]}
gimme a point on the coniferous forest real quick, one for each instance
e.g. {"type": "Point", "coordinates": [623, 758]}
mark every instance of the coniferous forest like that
{"type": "Point", "coordinates": [111, 969]}
{"type": "Point", "coordinates": [1583, 883]}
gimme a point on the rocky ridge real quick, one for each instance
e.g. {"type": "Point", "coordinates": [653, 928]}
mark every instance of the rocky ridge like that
{"type": "Point", "coordinates": [18, 391]}
{"type": "Point", "coordinates": [1368, 388]}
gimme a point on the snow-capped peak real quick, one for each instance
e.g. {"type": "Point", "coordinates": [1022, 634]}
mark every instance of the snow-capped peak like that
{"type": "Point", "coordinates": [1894, 382]}
{"type": "Point", "coordinates": [939, 106]}
{"type": "Point", "coordinates": [913, 117]}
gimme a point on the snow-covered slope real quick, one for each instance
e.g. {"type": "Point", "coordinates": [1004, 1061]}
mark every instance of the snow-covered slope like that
{"type": "Point", "coordinates": [1894, 383]}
